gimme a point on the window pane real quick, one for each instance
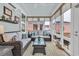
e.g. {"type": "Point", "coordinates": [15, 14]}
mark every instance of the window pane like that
{"type": "Point", "coordinates": [47, 19]}
{"type": "Point", "coordinates": [58, 25]}
{"type": "Point", "coordinates": [41, 19]}
{"type": "Point", "coordinates": [35, 19]}
{"type": "Point", "coordinates": [67, 23]}
{"type": "Point", "coordinates": [47, 25]}
{"type": "Point", "coordinates": [30, 19]}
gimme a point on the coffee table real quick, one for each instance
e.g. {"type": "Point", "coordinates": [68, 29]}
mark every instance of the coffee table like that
{"type": "Point", "coordinates": [39, 46]}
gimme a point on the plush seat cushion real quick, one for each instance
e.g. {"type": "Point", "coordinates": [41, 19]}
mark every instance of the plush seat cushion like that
{"type": "Point", "coordinates": [25, 42]}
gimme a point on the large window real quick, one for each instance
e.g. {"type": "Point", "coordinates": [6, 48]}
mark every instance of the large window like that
{"type": "Point", "coordinates": [41, 19]}
{"type": "Point", "coordinates": [67, 23]}
{"type": "Point", "coordinates": [35, 19]}
{"type": "Point", "coordinates": [38, 24]}
{"type": "Point", "coordinates": [30, 19]}
{"type": "Point", "coordinates": [30, 26]}
{"type": "Point", "coordinates": [58, 25]}
{"type": "Point", "coordinates": [47, 25]}
{"type": "Point", "coordinates": [67, 28]}
{"type": "Point", "coordinates": [23, 23]}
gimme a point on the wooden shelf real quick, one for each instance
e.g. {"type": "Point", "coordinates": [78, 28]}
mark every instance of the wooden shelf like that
{"type": "Point", "coordinates": [8, 21]}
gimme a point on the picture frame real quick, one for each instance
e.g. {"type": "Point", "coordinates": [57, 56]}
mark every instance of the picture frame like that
{"type": "Point", "coordinates": [16, 19]}
{"type": "Point", "coordinates": [7, 11]}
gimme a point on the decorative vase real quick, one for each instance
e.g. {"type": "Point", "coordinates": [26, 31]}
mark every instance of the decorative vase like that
{"type": "Point", "coordinates": [38, 39]}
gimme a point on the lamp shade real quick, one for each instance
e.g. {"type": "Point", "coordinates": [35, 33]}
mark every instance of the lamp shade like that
{"type": "Point", "coordinates": [1, 29]}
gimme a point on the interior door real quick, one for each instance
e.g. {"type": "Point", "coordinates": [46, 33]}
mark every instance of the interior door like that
{"type": "Point", "coordinates": [75, 18]}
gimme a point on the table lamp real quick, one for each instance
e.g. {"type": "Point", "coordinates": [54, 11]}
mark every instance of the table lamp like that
{"type": "Point", "coordinates": [1, 31]}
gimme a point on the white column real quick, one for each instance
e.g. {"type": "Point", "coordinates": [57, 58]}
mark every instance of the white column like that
{"type": "Point", "coordinates": [51, 27]}
{"type": "Point", "coordinates": [75, 30]}
{"type": "Point", "coordinates": [62, 29]}
{"type": "Point", "coordinates": [26, 26]}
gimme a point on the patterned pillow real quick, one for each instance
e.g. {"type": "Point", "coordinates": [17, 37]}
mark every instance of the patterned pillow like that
{"type": "Point", "coordinates": [8, 36]}
{"type": "Point", "coordinates": [14, 38]}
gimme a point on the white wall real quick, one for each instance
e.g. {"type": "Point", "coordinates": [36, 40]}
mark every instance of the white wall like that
{"type": "Point", "coordinates": [10, 26]}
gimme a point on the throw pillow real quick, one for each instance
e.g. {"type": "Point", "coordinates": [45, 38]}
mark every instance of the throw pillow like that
{"type": "Point", "coordinates": [14, 38]}
{"type": "Point", "coordinates": [7, 37]}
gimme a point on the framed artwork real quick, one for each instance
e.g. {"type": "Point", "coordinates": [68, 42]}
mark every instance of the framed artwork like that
{"type": "Point", "coordinates": [16, 19]}
{"type": "Point", "coordinates": [7, 11]}
{"type": "Point", "coordinates": [8, 16]}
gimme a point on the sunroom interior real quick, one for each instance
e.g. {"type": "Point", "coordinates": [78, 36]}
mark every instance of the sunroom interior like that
{"type": "Point", "coordinates": [40, 29]}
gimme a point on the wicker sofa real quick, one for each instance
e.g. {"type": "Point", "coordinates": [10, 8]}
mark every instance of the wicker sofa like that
{"type": "Point", "coordinates": [46, 35]}
{"type": "Point", "coordinates": [20, 45]}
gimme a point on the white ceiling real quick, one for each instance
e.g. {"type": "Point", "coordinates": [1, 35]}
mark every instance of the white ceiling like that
{"type": "Point", "coordinates": [38, 9]}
